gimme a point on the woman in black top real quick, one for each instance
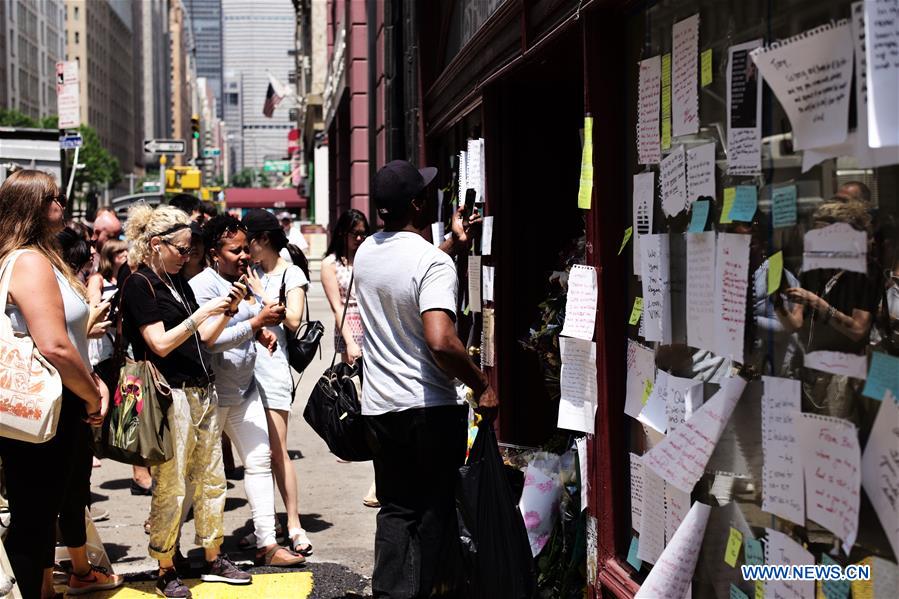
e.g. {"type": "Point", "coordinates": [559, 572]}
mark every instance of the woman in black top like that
{"type": "Point", "coordinates": [165, 326]}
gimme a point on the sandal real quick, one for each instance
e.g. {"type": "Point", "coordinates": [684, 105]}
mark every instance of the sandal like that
{"type": "Point", "coordinates": [249, 540]}
{"type": "Point", "coordinates": [278, 557]}
{"type": "Point", "coordinates": [300, 542]}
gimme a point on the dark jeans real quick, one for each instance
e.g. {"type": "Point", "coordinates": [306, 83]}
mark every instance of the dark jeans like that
{"type": "Point", "coordinates": [45, 481]}
{"type": "Point", "coordinates": [417, 457]}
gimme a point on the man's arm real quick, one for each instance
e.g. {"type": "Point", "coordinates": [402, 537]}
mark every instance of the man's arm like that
{"type": "Point", "coordinates": [450, 355]}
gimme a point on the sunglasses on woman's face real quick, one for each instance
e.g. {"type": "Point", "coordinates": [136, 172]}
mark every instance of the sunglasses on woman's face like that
{"type": "Point", "coordinates": [182, 250]}
{"type": "Point", "coordinates": [60, 199]}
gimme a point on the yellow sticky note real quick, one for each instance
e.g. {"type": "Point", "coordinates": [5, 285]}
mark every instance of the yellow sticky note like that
{"type": "Point", "coordinates": [627, 237]}
{"type": "Point", "coordinates": [729, 194]}
{"type": "Point", "coordinates": [864, 589]}
{"type": "Point", "coordinates": [585, 191]}
{"type": "Point", "coordinates": [759, 589]}
{"type": "Point", "coordinates": [732, 551]}
{"type": "Point", "coordinates": [636, 311]}
{"type": "Point", "coordinates": [647, 391]}
{"type": "Point", "coordinates": [666, 101]}
{"type": "Point", "coordinates": [706, 73]}
{"type": "Point", "coordinates": [775, 271]}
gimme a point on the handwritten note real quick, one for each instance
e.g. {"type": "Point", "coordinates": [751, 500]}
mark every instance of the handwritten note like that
{"type": "Point", "coordinates": [486, 235]}
{"type": "Point", "coordinates": [883, 376]}
{"type": "Point", "coordinates": [677, 506]}
{"type": "Point", "coordinates": [656, 291]}
{"type": "Point", "coordinates": [782, 483]}
{"type": "Point", "coordinates": [706, 68]}
{"type": "Point", "coordinates": [732, 550]}
{"type": "Point", "coordinates": [636, 491]}
{"type": "Point", "coordinates": [744, 111]}
{"type": "Point", "coordinates": [684, 74]}
{"type": "Point", "coordinates": [577, 405]}
{"type": "Point", "coordinates": [884, 580]}
{"type": "Point", "coordinates": [636, 311]}
{"type": "Point", "coordinates": [649, 148]}
{"type": "Point", "coordinates": [880, 468]}
{"type": "Point", "coordinates": [727, 205]}
{"type": "Point", "coordinates": [673, 573]}
{"type": "Point", "coordinates": [632, 558]}
{"type": "Point", "coordinates": [833, 589]}
{"type": "Point", "coordinates": [644, 192]}
{"type": "Point", "coordinates": [583, 468]}
{"type": "Point", "coordinates": [781, 549]}
{"type": "Point", "coordinates": [489, 276]}
{"type": "Point", "coordinates": [673, 182]}
{"type": "Point", "coordinates": [882, 36]}
{"type": "Point", "coordinates": [810, 74]}
{"type": "Point", "coordinates": [641, 367]}
{"type": "Point", "coordinates": [731, 285]}
{"type": "Point", "coordinates": [437, 233]}
{"type": "Point", "coordinates": [680, 458]}
{"type": "Point", "coordinates": [652, 520]}
{"type": "Point", "coordinates": [831, 460]}
{"type": "Point", "coordinates": [746, 202]}
{"type": "Point", "coordinates": [488, 338]}
{"type": "Point", "coordinates": [682, 397]}
{"type": "Point", "coordinates": [699, 216]}
{"type": "Point", "coordinates": [654, 408]}
{"type": "Point", "coordinates": [627, 237]}
{"type": "Point", "coordinates": [474, 283]}
{"type": "Point", "coordinates": [666, 101]}
{"type": "Point", "coordinates": [836, 246]}
{"type": "Point", "coordinates": [580, 307]}
{"type": "Point", "coordinates": [775, 271]}
{"type": "Point", "coordinates": [585, 189]}
{"type": "Point", "coordinates": [783, 206]}
{"type": "Point", "coordinates": [753, 553]}
{"type": "Point", "coordinates": [837, 363]}
{"type": "Point", "coordinates": [701, 316]}
{"type": "Point", "coordinates": [701, 172]}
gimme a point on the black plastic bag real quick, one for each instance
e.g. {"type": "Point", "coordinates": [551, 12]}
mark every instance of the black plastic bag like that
{"type": "Point", "coordinates": [494, 539]}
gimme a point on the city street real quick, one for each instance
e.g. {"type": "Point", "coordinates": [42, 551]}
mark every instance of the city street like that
{"type": "Point", "coordinates": [340, 527]}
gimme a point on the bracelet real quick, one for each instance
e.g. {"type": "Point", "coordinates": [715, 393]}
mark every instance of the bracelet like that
{"type": "Point", "coordinates": [190, 325]}
{"type": "Point", "coordinates": [830, 312]}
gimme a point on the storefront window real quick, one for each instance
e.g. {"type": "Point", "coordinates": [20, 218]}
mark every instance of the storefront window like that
{"type": "Point", "coordinates": [845, 303]}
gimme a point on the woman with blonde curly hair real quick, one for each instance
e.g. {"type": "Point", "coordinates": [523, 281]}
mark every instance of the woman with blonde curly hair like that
{"type": "Point", "coordinates": [165, 325]}
{"type": "Point", "coordinates": [47, 301]}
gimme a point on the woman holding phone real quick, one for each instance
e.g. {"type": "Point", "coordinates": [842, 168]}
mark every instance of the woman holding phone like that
{"type": "Point", "coordinates": [273, 278]}
{"type": "Point", "coordinates": [240, 410]}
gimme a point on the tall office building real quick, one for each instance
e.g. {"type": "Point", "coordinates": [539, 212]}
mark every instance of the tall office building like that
{"type": "Point", "coordinates": [257, 37]}
{"type": "Point", "coordinates": [32, 41]}
{"type": "Point", "coordinates": [183, 77]}
{"type": "Point", "coordinates": [206, 24]}
{"type": "Point", "coordinates": [157, 106]}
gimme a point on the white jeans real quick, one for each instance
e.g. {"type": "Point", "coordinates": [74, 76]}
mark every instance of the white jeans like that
{"type": "Point", "coordinates": [247, 428]}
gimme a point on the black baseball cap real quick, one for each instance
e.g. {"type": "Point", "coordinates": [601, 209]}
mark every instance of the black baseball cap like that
{"type": "Point", "coordinates": [257, 220]}
{"type": "Point", "coordinates": [397, 183]}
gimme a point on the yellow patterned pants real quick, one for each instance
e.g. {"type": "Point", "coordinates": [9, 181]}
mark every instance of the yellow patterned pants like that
{"type": "Point", "coordinates": [197, 465]}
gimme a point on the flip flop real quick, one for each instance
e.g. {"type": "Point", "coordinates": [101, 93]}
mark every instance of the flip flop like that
{"type": "Point", "coordinates": [299, 539]}
{"type": "Point", "coordinates": [271, 558]}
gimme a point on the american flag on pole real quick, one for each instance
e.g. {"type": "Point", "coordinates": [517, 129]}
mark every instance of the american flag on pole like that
{"type": "Point", "coordinates": [272, 97]}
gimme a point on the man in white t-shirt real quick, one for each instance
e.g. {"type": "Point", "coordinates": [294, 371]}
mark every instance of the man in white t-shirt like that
{"type": "Point", "coordinates": [406, 290]}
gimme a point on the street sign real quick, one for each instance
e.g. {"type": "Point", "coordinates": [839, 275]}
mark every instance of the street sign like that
{"type": "Point", "coordinates": [164, 146]}
{"type": "Point", "coordinates": [70, 142]}
{"type": "Point", "coordinates": [199, 161]}
{"type": "Point", "coordinates": [150, 186]}
{"type": "Point", "coordinates": [276, 166]}
{"type": "Point", "coordinates": [210, 152]}
{"type": "Point", "coordinates": [68, 98]}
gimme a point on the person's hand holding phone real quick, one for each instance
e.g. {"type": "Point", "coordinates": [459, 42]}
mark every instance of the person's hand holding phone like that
{"type": "Point", "coordinates": [237, 293]}
{"type": "Point", "coordinates": [269, 316]}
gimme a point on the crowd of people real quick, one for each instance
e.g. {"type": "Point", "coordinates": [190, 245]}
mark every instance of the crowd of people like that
{"type": "Point", "coordinates": [208, 300]}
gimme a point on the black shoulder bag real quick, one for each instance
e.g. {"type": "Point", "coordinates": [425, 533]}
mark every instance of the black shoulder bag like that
{"type": "Point", "coordinates": [334, 411]}
{"type": "Point", "coordinates": [304, 342]}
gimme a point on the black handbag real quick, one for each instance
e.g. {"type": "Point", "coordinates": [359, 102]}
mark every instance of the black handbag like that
{"type": "Point", "coordinates": [334, 411]}
{"type": "Point", "coordinates": [304, 343]}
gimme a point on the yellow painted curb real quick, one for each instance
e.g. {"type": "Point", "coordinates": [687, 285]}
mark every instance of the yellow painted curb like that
{"type": "Point", "coordinates": [293, 585]}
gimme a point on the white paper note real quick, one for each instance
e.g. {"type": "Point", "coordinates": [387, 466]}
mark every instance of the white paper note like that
{"type": "Point", "coordinates": [580, 306]}
{"type": "Point", "coordinates": [474, 283]}
{"type": "Point", "coordinates": [701, 172]}
{"type": "Point", "coordinates": [701, 315]}
{"type": "Point", "coordinates": [681, 457]}
{"type": "Point", "coordinates": [831, 460]}
{"type": "Point", "coordinates": [810, 74]}
{"type": "Point", "coordinates": [463, 175]}
{"type": "Point", "coordinates": [577, 406]}
{"type": "Point", "coordinates": [641, 367]}
{"type": "Point", "coordinates": [677, 506]}
{"type": "Point", "coordinates": [489, 274]}
{"type": "Point", "coordinates": [673, 182]}
{"type": "Point", "coordinates": [782, 482]}
{"type": "Point", "coordinates": [744, 111]}
{"type": "Point", "coordinates": [487, 236]}
{"type": "Point", "coordinates": [649, 143]}
{"type": "Point", "coordinates": [880, 468]}
{"type": "Point", "coordinates": [882, 35]}
{"type": "Point", "coordinates": [476, 167]}
{"type": "Point", "coordinates": [488, 338]}
{"type": "Point", "coordinates": [652, 520]}
{"type": "Point", "coordinates": [437, 233]}
{"type": "Point", "coordinates": [644, 193]}
{"type": "Point", "coordinates": [731, 288]}
{"type": "Point", "coordinates": [656, 288]}
{"type": "Point", "coordinates": [684, 76]}
{"type": "Point", "coordinates": [636, 491]}
{"type": "Point", "coordinates": [836, 246]}
{"type": "Point", "coordinates": [838, 363]}
{"type": "Point", "coordinates": [654, 412]}
{"type": "Point", "coordinates": [673, 573]}
{"type": "Point", "coordinates": [781, 549]}
{"type": "Point", "coordinates": [581, 444]}
{"type": "Point", "coordinates": [682, 398]}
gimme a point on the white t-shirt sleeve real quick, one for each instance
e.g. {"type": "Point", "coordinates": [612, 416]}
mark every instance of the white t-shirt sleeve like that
{"type": "Point", "coordinates": [438, 287]}
{"type": "Point", "coordinates": [295, 277]}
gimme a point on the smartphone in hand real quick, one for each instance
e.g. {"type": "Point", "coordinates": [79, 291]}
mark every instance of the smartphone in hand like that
{"type": "Point", "coordinates": [470, 196]}
{"type": "Point", "coordinates": [282, 294]}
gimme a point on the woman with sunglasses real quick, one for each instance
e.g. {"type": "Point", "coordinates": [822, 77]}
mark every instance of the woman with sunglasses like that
{"type": "Point", "coordinates": [47, 301]}
{"type": "Point", "coordinates": [350, 231]}
{"type": "Point", "coordinates": [241, 413]}
{"type": "Point", "coordinates": [165, 325]}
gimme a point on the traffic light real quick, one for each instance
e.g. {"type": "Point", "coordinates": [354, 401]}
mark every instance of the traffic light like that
{"type": "Point", "coordinates": [195, 127]}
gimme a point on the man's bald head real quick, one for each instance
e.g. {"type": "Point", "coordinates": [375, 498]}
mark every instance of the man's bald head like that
{"type": "Point", "coordinates": [855, 191]}
{"type": "Point", "coordinates": [106, 226]}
